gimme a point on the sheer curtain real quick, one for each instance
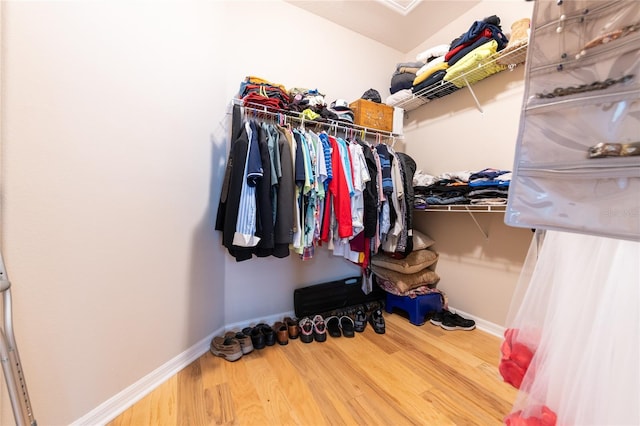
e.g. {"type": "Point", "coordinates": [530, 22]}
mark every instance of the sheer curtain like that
{"type": "Point", "coordinates": [572, 345]}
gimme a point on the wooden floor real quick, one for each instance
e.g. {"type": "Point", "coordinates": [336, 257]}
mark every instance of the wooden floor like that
{"type": "Point", "coordinates": [412, 375]}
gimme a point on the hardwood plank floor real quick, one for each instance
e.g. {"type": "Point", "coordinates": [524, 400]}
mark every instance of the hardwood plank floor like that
{"type": "Point", "coordinates": [412, 375]}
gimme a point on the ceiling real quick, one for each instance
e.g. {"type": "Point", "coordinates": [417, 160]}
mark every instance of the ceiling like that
{"type": "Point", "coordinates": [400, 24]}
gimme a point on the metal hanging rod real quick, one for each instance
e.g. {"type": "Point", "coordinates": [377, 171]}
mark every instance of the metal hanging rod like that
{"type": "Point", "coordinates": [299, 117]}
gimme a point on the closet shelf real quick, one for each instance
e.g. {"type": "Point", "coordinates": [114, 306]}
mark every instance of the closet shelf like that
{"type": "Point", "coordinates": [468, 208]}
{"type": "Point", "coordinates": [299, 118]}
{"type": "Point", "coordinates": [493, 64]}
{"type": "Point", "coordinates": [464, 208]}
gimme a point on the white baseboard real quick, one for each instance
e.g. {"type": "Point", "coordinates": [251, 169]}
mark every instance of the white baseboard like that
{"type": "Point", "coordinates": [117, 404]}
{"type": "Point", "coordinates": [267, 320]}
{"type": "Point", "coordinates": [481, 324]}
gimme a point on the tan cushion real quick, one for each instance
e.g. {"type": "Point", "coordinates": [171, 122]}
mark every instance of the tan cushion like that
{"type": "Point", "coordinates": [421, 240]}
{"type": "Point", "coordinates": [416, 261]}
{"type": "Point", "coordinates": [406, 282]}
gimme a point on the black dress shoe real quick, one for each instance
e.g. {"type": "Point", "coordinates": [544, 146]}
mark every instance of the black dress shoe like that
{"type": "Point", "coordinates": [257, 338]}
{"type": "Point", "coordinates": [268, 333]}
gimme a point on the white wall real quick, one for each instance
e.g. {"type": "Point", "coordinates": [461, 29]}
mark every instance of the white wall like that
{"type": "Point", "coordinates": [113, 145]}
{"type": "Point", "coordinates": [451, 134]}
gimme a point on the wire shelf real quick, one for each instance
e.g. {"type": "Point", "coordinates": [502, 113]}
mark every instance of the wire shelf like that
{"type": "Point", "coordinates": [493, 64]}
{"type": "Point", "coordinates": [329, 124]}
{"type": "Point", "coordinates": [465, 208]}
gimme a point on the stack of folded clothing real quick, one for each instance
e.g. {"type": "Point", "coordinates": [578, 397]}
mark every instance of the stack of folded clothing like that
{"type": "Point", "coordinates": [404, 75]}
{"type": "Point", "coordinates": [446, 64]}
{"type": "Point", "coordinates": [259, 93]}
{"type": "Point", "coordinates": [402, 81]}
{"type": "Point", "coordinates": [479, 33]}
{"type": "Point", "coordinates": [485, 187]}
{"type": "Point", "coordinates": [413, 275]}
{"type": "Point", "coordinates": [421, 181]}
{"type": "Point", "coordinates": [432, 73]}
{"type": "Point", "coordinates": [446, 189]}
{"type": "Point", "coordinates": [489, 187]}
{"type": "Point", "coordinates": [476, 46]}
{"type": "Point", "coordinates": [255, 91]}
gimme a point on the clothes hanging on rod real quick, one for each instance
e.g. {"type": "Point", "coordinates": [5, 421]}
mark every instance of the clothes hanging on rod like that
{"type": "Point", "coordinates": [301, 119]}
{"type": "Point", "coordinates": [291, 185]}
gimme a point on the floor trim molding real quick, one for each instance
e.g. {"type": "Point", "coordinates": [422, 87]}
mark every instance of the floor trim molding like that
{"type": "Point", "coordinates": [481, 324]}
{"type": "Point", "coordinates": [117, 404]}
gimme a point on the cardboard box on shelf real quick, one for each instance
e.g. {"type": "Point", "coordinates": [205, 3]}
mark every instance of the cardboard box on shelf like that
{"type": "Point", "coordinates": [372, 114]}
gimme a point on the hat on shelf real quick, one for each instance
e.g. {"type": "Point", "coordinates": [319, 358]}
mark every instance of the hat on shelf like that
{"type": "Point", "coordinates": [340, 105]}
{"type": "Point", "coordinates": [516, 50]}
{"type": "Point", "coordinates": [372, 95]}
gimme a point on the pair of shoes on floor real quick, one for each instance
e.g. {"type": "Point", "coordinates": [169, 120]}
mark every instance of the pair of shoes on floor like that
{"type": "Point", "coordinates": [313, 329]}
{"type": "Point", "coordinates": [374, 318]}
{"type": "Point", "coordinates": [227, 347]}
{"type": "Point", "coordinates": [261, 335]}
{"type": "Point", "coordinates": [286, 329]}
{"type": "Point", "coordinates": [340, 326]}
{"type": "Point", "coordinates": [451, 321]}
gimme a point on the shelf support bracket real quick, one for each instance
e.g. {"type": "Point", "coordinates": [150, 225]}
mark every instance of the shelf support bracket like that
{"type": "Point", "coordinates": [482, 231]}
{"type": "Point", "coordinates": [473, 94]}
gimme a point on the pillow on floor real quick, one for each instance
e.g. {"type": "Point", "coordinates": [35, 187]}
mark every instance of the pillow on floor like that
{"type": "Point", "coordinates": [421, 241]}
{"type": "Point", "coordinates": [416, 261]}
{"type": "Point", "coordinates": [406, 282]}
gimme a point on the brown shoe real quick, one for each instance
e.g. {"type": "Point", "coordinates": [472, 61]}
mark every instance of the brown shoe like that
{"type": "Point", "coordinates": [293, 327]}
{"type": "Point", "coordinates": [282, 333]}
{"type": "Point", "coordinates": [226, 347]}
{"type": "Point", "coordinates": [245, 341]}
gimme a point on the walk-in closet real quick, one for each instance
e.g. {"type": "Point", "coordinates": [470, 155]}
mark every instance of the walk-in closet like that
{"type": "Point", "coordinates": [136, 290]}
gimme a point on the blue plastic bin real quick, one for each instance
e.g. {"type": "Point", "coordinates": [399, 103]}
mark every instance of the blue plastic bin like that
{"type": "Point", "coordinates": [417, 308]}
